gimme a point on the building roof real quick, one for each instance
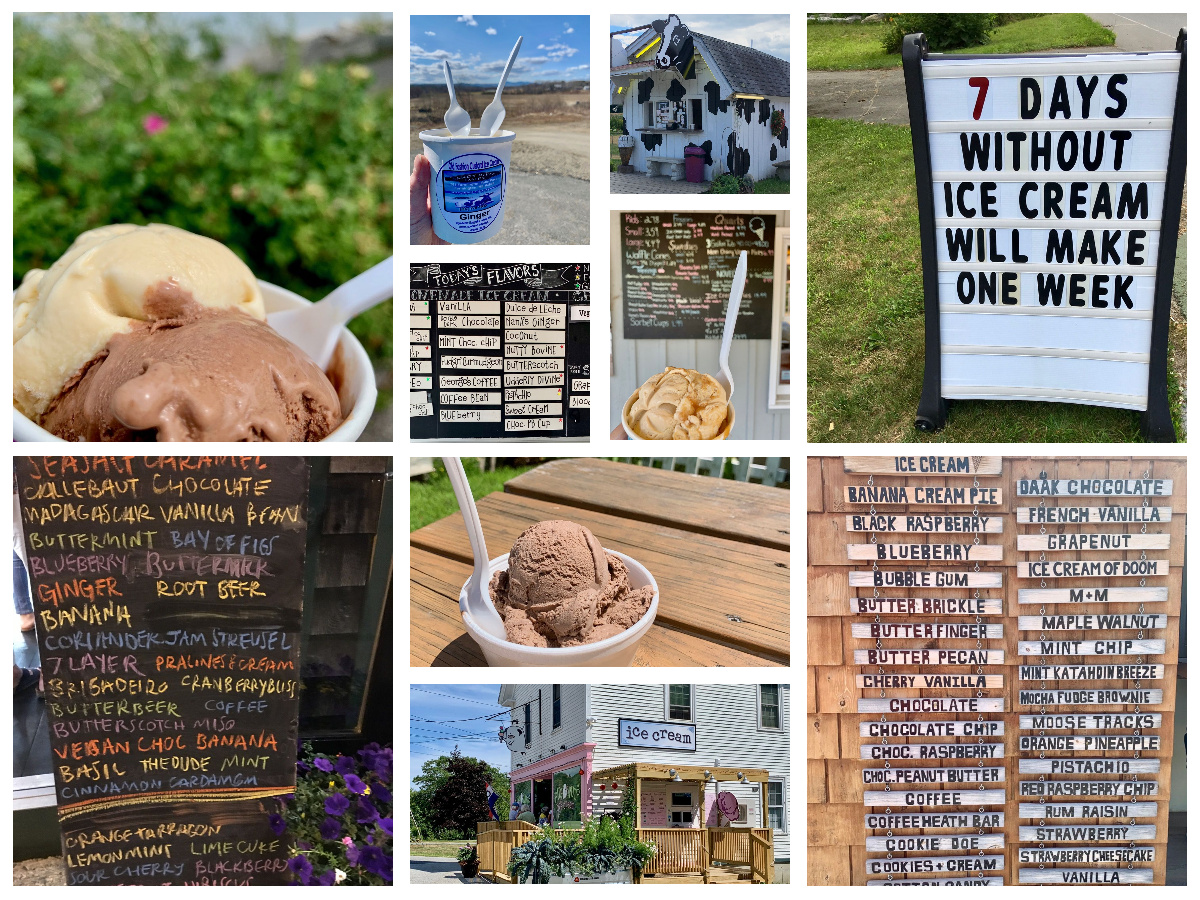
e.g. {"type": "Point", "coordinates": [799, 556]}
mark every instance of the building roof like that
{"type": "Point", "coordinates": [748, 71]}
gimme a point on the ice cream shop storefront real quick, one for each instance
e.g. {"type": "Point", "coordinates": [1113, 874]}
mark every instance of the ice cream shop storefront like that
{"type": "Point", "coordinates": [704, 768]}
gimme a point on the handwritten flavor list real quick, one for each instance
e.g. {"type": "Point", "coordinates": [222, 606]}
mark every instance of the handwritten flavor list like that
{"type": "Point", "coordinates": [499, 351]}
{"type": "Point", "coordinates": [168, 594]}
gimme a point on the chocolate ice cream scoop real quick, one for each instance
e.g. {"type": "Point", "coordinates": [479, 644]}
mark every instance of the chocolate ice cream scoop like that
{"type": "Point", "coordinates": [562, 589]}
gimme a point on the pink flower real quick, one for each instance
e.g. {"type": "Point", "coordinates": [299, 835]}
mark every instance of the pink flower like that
{"type": "Point", "coordinates": [346, 840]}
{"type": "Point", "coordinates": [154, 124]}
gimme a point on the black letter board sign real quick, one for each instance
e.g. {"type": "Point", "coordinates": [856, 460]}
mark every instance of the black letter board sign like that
{"type": "Point", "coordinates": [499, 351]}
{"type": "Point", "coordinates": [677, 270]}
{"type": "Point", "coordinates": [168, 599]}
{"type": "Point", "coordinates": [1049, 192]}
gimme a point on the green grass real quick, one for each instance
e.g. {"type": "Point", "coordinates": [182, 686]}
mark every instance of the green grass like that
{"type": "Point", "coordinates": [444, 849]}
{"type": "Point", "coordinates": [772, 186]}
{"type": "Point", "coordinates": [858, 46]}
{"type": "Point", "coordinates": [431, 497]}
{"type": "Point", "coordinates": [865, 309]}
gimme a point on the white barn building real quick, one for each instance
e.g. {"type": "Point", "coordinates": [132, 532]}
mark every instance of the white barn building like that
{"type": "Point", "coordinates": [723, 102]}
{"type": "Point", "coordinates": [576, 748]}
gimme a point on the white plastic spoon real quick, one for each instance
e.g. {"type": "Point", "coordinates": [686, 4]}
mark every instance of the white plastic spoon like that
{"type": "Point", "coordinates": [458, 120]}
{"type": "Point", "coordinates": [474, 597]}
{"type": "Point", "coordinates": [493, 116]}
{"type": "Point", "coordinates": [314, 329]}
{"type": "Point", "coordinates": [724, 376]}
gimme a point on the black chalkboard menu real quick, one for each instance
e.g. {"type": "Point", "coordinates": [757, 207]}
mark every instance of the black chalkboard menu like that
{"type": "Point", "coordinates": [168, 596]}
{"type": "Point", "coordinates": [677, 269]}
{"type": "Point", "coordinates": [499, 351]}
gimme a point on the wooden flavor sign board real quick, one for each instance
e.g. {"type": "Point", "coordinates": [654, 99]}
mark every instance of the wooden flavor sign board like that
{"type": "Point", "coordinates": [1078, 568]}
{"type": "Point", "coordinates": [925, 524]}
{"type": "Point", "coordinates": [1093, 595]}
{"type": "Point", "coordinates": [926, 606]}
{"type": "Point", "coordinates": [1094, 487]}
{"type": "Point", "coordinates": [883, 494]}
{"type": "Point", "coordinates": [1092, 515]}
{"type": "Point", "coordinates": [931, 751]}
{"type": "Point", "coordinates": [925, 552]}
{"type": "Point", "coordinates": [933, 775]}
{"type": "Point", "coordinates": [1086, 876]}
{"type": "Point", "coordinates": [168, 595]}
{"type": "Point", "coordinates": [1088, 810]}
{"type": "Point", "coordinates": [935, 864]}
{"type": "Point", "coordinates": [1047, 855]}
{"type": "Point", "coordinates": [922, 465]}
{"type": "Point", "coordinates": [1156, 647]}
{"type": "Point", "coordinates": [927, 630]}
{"type": "Point", "coordinates": [958, 842]}
{"type": "Point", "coordinates": [1104, 672]}
{"type": "Point", "coordinates": [1090, 622]}
{"type": "Point", "coordinates": [939, 882]}
{"type": "Point", "coordinates": [961, 820]}
{"type": "Point", "coordinates": [1089, 788]}
{"type": "Point", "coordinates": [957, 728]}
{"type": "Point", "coordinates": [1093, 542]}
{"type": "Point", "coordinates": [909, 578]}
{"type": "Point", "coordinates": [934, 798]}
{"type": "Point", "coordinates": [1107, 766]}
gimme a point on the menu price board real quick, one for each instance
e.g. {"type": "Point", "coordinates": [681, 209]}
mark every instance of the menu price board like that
{"type": "Point", "coordinates": [677, 271]}
{"type": "Point", "coordinates": [499, 351]}
{"type": "Point", "coordinates": [168, 595]}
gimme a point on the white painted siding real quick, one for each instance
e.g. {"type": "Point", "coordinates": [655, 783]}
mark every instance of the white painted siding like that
{"type": "Point", "coordinates": [726, 720]}
{"type": "Point", "coordinates": [634, 361]}
{"type": "Point", "coordinates": [546, 740]}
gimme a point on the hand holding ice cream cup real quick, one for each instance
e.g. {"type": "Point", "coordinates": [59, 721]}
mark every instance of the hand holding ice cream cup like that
{"type": "Point", "coordinates": [152, 333]}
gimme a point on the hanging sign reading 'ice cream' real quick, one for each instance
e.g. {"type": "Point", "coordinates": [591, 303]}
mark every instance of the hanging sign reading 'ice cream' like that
{"type": "Point", "coordinates": [1049, 191]}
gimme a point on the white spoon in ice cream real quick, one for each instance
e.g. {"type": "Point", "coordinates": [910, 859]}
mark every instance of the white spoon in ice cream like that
{"type": "Point", "coordinates": [458, 120]}
{"type": "Point", "coordinates": [474, 598]}
{"type": "Point", "coordinates": [493, 116]}
{"type": "Point", "coordinates": [724, 376]}
{"type": "Point", "coordinates": [314, 329]}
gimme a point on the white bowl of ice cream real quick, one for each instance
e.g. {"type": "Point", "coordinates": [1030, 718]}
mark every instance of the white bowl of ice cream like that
{"type": "Point", "coordinates": [547, 595]}
{"type": "Point", "coordinates": [678, 404]}
{"type": "Point", "coordinates": [346, 398]}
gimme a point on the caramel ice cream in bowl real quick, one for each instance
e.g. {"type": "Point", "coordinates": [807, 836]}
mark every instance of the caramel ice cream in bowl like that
{"type": "Point", "coordinates": [680, 405]}
{"type": "Point", "coordinates": [566, 601]}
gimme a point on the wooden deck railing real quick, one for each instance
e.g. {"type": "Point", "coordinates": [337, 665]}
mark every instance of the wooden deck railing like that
{"type": "Point", "coordinates": [679, 851]}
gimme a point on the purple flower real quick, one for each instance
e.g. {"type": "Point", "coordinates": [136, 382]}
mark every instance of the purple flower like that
{"type": "Point", "coordinates": [154, 124]}
{"type": "Point", "coordinates": [327, 877]}
{"type": "Point", "coordinates": [278, 825]}
{"type": "Point", "coordinates": [352, 853]}
{"type": "Point", "coordinates": [373, 860]}
{"type": "Point", "coordinates": [301, 868]}
{"type": "Point", "coordinates": [323, 764]}
{"type": "Point", "coordinates": [336, 804]}
{"type": "Point", "coordinates": [385, 825]}
{"type": "Point", "coordinates": [304, 845]}
{"type": "Point", "coordinates": [302, 767]}
{"type": "Point", "coordinates": [345, 765]}
{"type": "Point", "coordinates": [354, 783]}
{"type": "Point", "coordinates": [366, 812]}
{"type": "Point", "coordinates": [330, 829]}
{"type": "Point", "coordinates": [381, 793]}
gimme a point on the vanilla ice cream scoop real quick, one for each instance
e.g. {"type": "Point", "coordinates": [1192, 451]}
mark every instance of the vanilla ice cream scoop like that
{"type": "Point", "coordinates": [562, 588]}
{"type": "Point", "coordinates": [107, 282]}
{"type": "Point", "coordinates": [679, 404]}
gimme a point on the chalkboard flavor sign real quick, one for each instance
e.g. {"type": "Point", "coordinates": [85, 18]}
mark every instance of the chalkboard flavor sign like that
{"type": "Point", "coordinates": [168, 593]}
{"type": "Point", "coordinates": [499, 351]}
{"type": "Point", "coordinates": [677, 271]}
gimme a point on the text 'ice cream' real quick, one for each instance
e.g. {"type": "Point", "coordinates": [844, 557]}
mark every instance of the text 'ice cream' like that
{"type": "Point", "coordinates": [153, 333]}
{"type": "Point", "coordinates": [679, 404]}
{"type": "Point", "coordinates": [563, 589]}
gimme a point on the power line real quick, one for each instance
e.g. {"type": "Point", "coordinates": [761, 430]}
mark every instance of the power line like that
{"type": "Point", "coordinates": [453, 697]}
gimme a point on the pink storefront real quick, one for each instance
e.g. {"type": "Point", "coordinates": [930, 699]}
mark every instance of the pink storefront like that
{"type": "Point", "coordinates": [560, 784]}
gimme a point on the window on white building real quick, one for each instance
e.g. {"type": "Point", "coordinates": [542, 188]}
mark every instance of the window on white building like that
{"type": "Point", "coordinates": [679, 702]}
{"type": "Point", "coordinates": [556, 692]}
{"type": "Point", "coordinates": [769, 713]}
{"type": "Point", "coordinates": [775, 816]}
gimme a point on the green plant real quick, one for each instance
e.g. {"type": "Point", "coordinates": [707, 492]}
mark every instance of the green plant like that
{"type": "Point", "coordinates": [129, 119]}
{"type": "Point", "coordinates": [616, 124]}
{"type": "Point", "coordinates": [603, 846]}
{"type": "Point", "coordinates": [943, 31]}
{"type": "Point", "coordinates": [339, 820]}
{"type": "Point", "coordinates": [729, 183]}
{"type": "Point", "coordinates": [468, 854]}
{"type": "Point", "coordinates": [539, 858]}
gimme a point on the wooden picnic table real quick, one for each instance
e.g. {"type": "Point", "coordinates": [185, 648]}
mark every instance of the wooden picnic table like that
{"type": "Point", "coordinates": [719, 550]}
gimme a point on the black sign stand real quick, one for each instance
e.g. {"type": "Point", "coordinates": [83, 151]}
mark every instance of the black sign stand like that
{"type": "Point", "coordinates": [932, 411]}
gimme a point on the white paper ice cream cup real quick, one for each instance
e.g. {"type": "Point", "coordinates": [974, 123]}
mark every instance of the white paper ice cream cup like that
{"type": "Point", "coordinates": [634, 436]}
{"type": "Point", "coordinates": [618, 650]}
{"type": "Point", "coordinates": [355, 382]}
{"type": "Point", "coordinates": [469, 183]}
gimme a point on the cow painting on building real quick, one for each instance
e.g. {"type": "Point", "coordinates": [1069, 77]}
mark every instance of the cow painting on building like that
{"type": "Point", "coordinates": [678, 89]}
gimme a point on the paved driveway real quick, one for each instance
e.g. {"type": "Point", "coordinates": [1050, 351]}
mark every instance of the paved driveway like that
{"type": "Point", "coordinates": [437, 870]}
{"type": "Point", "coordinates": [1143, 31]}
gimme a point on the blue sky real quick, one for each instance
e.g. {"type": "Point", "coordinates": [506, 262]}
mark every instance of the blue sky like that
{"type": "Point", "coordinates": [770, 34]}
{"type": "Point", "coordinates": [454, 711]}
{"type": "Point", "coordinates": [555, 48]}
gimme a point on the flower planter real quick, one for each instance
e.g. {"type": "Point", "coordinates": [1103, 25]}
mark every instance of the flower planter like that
{"type": "Point", "coordinates": [469, 870]}
{"type": "Point", "coordinates": [625, 876]}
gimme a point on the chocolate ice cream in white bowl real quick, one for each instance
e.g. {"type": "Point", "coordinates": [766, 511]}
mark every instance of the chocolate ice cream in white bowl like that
{"type": "Point", "coordinates": [566, 601]}
{"type": "Point", "coordinates": [142, 333]}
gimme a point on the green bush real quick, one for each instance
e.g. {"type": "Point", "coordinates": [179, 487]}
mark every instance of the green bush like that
{"type": "Point", "coordinates": [616, 124]}
{"type": "Point", "coordinates": [121, 119]}
{"type": "Point", "coordinates": [943, 31]}
{"type": "Point", "coordinates": [732, 184]}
